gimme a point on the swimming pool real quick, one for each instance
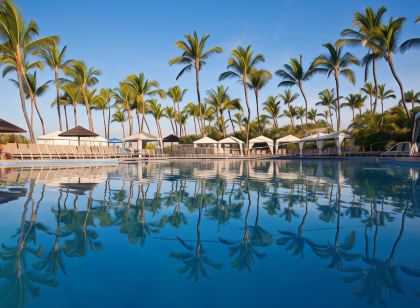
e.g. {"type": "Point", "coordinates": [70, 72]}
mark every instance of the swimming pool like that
{"type": "Point", "coordinates": [210, 233]}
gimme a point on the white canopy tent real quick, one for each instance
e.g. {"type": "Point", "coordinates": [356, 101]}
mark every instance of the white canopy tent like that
{"type": "Point", "coordinates": [262, 139]}
{"type": "Point", "coordinates": [205, 141]}
{"type": "Point", "coordinates": [55, 139]}
{"type": "Point", "coordinates": [320, 139]}
{"type": "Point", "coordinates": [286, 140]}
{"type": "Point", "coordinates": [313, 137]}
{"type": "Point", "coordinates": [140, 138]}
{"type": "Point", "coordinates": [232, 141]}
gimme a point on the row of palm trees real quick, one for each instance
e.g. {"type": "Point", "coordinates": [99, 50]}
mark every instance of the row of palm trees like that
{"type": "Point", "coordinates": [25, 54]}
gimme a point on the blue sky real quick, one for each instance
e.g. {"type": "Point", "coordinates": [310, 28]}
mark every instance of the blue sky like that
{"type": "Point", "coordinates": [131, 36]}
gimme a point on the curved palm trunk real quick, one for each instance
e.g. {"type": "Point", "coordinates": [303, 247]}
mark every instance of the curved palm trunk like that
{"type": "Point", "coordinates": [75, 114]}
{"type": "Point", "coordinates": [103, 117]}
{"type": "Point", "coordinates": [197, 84]}
{"type": "Point", "coordinates": [130, 119]}
{"type": "Point", "coordinates": [23, 104]}
{"type": "Point", "coordinates": [306, 105]}
{"type": "Point", "coordinates": [352, 109]}
{"type": "Point", "coordinates": [397, 79]}
{"type": "Point", "coordinates": [88, 111]}
{"type": "Point", "coordinates": [34, 102]}
{"type": "Point", "coordinates": [258, 109]}
{"type": "Point", "coordinates": [376, 84]}
{"type": "Point", "coordinates": [231, 121]}
{"type": "Point", "coordinates": [172, 125]}
{"type": "Point", "coordinates": [195, 126]}
{"type": "Point", "coordinates": [249, 114]}
{"type": "Point", "coordinates": [123, 129]}
{"type": "Point", "coordinates": [176, 126]}
{"type": "Point", "coordinates": [331, 120]}
{"type": "Point", "coordinates": [292, 121]}
{"type": "Point", "coordinates": [109, 121]}
{"type": "Point", "coordinates": [65, 115]}
{"type": "Point", "coordinates": [138, 121]}
{"type": "Point", "coordinates": [57, 90]}
{"type": "Point", "coordinates": [337, 88]}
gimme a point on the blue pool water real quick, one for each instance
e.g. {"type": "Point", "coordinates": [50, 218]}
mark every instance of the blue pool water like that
{"type": "Point", "coordinates": [210, 233]}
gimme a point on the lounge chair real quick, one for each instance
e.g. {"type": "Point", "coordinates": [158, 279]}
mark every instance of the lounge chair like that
{"type": "Point", "coordinates": [24, 151]}
{"type": "Point", "coordinates": [43, 150]}
{"type": "Point", "coordinates": [33, 148]}
{"type": "Point", "coordinates": [61, 152]}
{"type": "Point", "coordinates": [69, 151]}
{"type": "Point", "coordinates": [88, 152]}
{"type": "Point", "coordinates": [53, 151]}
{"type": "Point", "coordinates": [95, 150]}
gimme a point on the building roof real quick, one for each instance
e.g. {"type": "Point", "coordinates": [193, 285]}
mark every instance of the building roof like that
{"type": "Point", "coordinates": [288, 139]}
{"type": "Point", "coordinates": [205, 140]}
{"type": "Point", "coordinates": [261, 139]}
{"type": "Point", "coordinates": [231, 140]}
{"type": "Point", "coordinates": [142, 136]}
{"type": "Point", "coordinates": [78, 131]}
{"type": "Point", "coordinates": [7, 127]}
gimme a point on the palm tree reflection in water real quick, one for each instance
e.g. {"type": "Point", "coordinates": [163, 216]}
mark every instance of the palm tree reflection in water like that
{"type": "Point", "coordinates": [260, 198]}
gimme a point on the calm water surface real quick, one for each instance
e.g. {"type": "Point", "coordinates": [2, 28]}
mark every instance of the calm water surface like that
{"type": "Point", "coordinates": [211, 233]}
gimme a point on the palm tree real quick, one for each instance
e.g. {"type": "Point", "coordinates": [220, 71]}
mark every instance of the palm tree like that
{"type": "Point", "coordinates": [327, 98]}
{"type": "Point", "coordinates": [193, 110]}
{"type": "Point", "coordinates": [83, 78]}
{"type": "Point", "coordinates": [177, 95]}
{"type": "Point", "coordinates": [32, 92]}
{"type": "Point", "coordinates": [102, 103]}
{"type": "Point", "coordinates": [291, 114]}
{"type": "Point", "coordinates": [383, 95]}
{"type": "Point", "coordinates": [217, 100]}
{"type": "Point", "coordinates": [17, 42]}
{"type": "Point", "coordinates": [354, 101]}
{"type": "Point", "coordinates": [312, 113]}
{"type": "Point", "coordinates": [300, 114]}
{"type": "Point", "coordinates": [157, 112]}
{"type": "Point", "coordinates": [388, 36]}
{"type": "Point", "coordinates": [241, 63]}
{"type": "Point", "coordinates": [170, 113]}
{"type": "Point", "coordinates": [63, 102]}
{"type": "Point", "coordinates": [231, 105]}
{"type": "Point", "coordinates": [258, 78]}
{"type": "Point", "coordinates": [272, 107]}
{"type": "Point", "coordinates": [336, 63]}
{"type": "Point", "coordinates": [412, 97]}
{"type": "Point", "coordinates": [107, 95]}
{"type": "Point", "coordinates": [288, 98]}
{"type": "Point", "coordinates": [194, 55]}
{"type": "Point", "coordinates": [366, 24]}
{"type": "Point", "coordinates": [120, 117]}
{"type": "Point", "coordinates": [239, 119]}
{"type": "Point", "coordinates": [143, 89]}
{"type": "Point", "coordinates": [125, 97]}
{"type": "Point", "coordinates": [369, 90]}
{"type": "Point", "coordinates": [411, 43]}
{"type": "Point", "coordinates": [293, 74]}
{"type": "Point", "coordinates": [72, 96]}
{"type": "Point", "coordinates": [54, 59]}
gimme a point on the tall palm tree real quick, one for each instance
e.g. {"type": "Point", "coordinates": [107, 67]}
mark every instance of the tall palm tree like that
{"type": "Point", "coordinates": [83, 78]}
{"type": "Point", "coordinates": [354, 101]}
{"type": "Point", "coordinates": [291, 114]}
{"type": "Point", "coordinates": [193, 110]}
{"type": "Point", "coordinates": [53, 57]}
{"type": "Point", "coordinates": [326, 98]}
{"type": "Point", "coordinates": [125, 98]}
{"type": "Point", "coordinates": [231, 105]}
{"type": "Point", "coordinates": [258, 78]}
{"type": "Point", "coordinates": [177, 95]}
{"type": "Point", "coordinates": [17, 41]}
{"type": "Point", "coordinates": [217, 99]}
{"type": "Point", "coordinates": [143, 90]}
{"type": "Point", "coordinates": [239, 119]}
{"type": "Point", "coordinates": [272, 107]}
{"type": "Point", "coordinates": [32, 92]}
{"type": "Point", "coordinates": [369, 90]}
{"type": "Point", "coordinates": [241, 63]}
{"type": "Point", "coordinates": [194, 55]}
{"type": "Point", "coordinates": [366, 24]}
{"type": "Point", "coordinates": [293, 74]}
{"type": "Point", "coordinates": [288, 98]}
{"type": "Point", "coordinates": [156, 110]}
{"type": "Point", "coordinates": [107, 95]}
{"type": "Point", "coordinates": [336, 63]}
{"type": "Point", "coordinates": [388, 36]}
{"type": "Point", "coordinates": [63, 102]}
{"type": "Point", "coordinates": [412, 97]}
{"type": "Point", "coordinates": [120, 117]}
{"type": "Point", "coordinates": [102, 104]}
{"type": "Point", "coordinates": [384, 94]}
{"type": "Point", "coordinates": [300, 114]}
{"type": "Point", "coordinates": [72, 96]}
{"type": "Point", "coordinates": [170, 113]}
{"type": "Point", "coordinates": [312, 113]}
